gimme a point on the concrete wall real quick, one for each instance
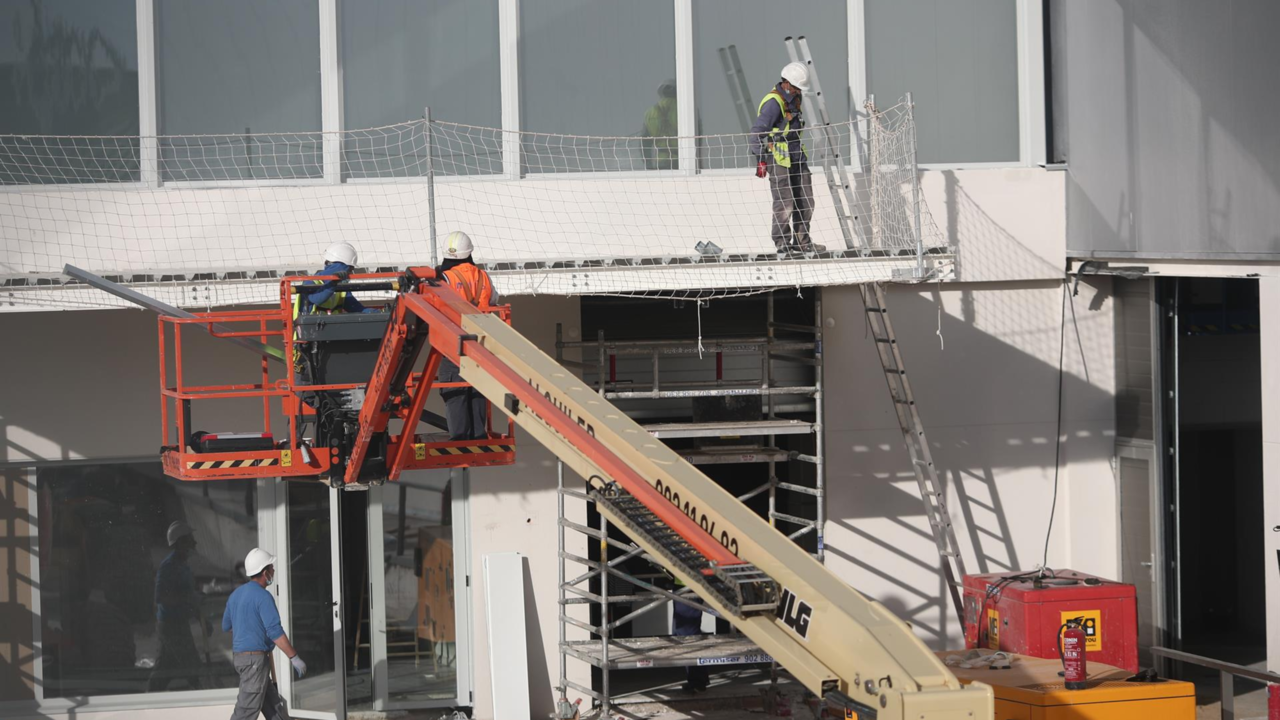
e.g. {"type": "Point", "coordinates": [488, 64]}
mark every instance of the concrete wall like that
{"type": "Point", "coordinates": [1007, 224]}
{"type": "Point", "coordinates": [983, 362]}
{"type": "Point", "coordinates": [514, 509]}
{"type": "Point", "coordinates": [1166, 115]}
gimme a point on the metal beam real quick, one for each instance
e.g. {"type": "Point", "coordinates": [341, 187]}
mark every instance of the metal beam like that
{"type": "Point", "coordinates": [165, 309]}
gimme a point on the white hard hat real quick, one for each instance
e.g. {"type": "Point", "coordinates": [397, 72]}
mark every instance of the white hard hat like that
{"type": "Point", "coordinates": [257, 560]}
{"type": "Point", "coordinates": [796, 74]}
{"type": "Point", "coordinates": [341, 252]}
{"type": "Point", "coordinates": [458, 246]}
{"type": "Point", "coordinates": [177, 531]}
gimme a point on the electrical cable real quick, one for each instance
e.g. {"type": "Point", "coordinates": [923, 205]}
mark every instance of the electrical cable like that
{"type": "Point", "coordinates": [1057, 444]}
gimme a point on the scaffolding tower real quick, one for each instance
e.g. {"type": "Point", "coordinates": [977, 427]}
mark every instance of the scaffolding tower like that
{"type": "Point", "coordinates": [617, 594]}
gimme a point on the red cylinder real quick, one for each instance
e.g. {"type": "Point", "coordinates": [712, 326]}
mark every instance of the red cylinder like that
{"type": "Point", "coordinates": [1072, 645]}
{"type": "Point", "coordinates": [1273, 702]}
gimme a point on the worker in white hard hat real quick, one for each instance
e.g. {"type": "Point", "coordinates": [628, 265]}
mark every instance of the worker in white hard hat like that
{"type": "Point", "coordinates": [661, 148]}
{"type": "Point", "coordinates": [780, 155]}
{"type": "Point", "coordinates": [339, 260]}
{"type": "Point", "coordinates": [254, 623]}
{"type": "Point", "coordinates": [177, 604]}
{"type": "Point", "coordinates": [466, 410]}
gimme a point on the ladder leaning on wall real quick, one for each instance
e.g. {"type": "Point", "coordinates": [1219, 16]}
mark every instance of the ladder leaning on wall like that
{"type": "Point", "coordinates": [874, 300]}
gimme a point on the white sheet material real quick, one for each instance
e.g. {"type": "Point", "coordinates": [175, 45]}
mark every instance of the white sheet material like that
{"type": "Point", "coordinates": [508, 655]}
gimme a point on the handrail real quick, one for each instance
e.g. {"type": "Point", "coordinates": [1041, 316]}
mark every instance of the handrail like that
{"type": "Point", "coordinates": [1227, 673]}
{"type": "Point", "coordinates": [1262, 676]}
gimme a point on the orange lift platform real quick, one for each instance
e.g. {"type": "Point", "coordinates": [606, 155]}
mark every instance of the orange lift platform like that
{"type": "Point", "coordinates": [339, 361]}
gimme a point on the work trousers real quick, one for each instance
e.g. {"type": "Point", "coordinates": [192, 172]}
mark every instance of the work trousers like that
{"type": "Point", "coordinates": [792, 190]}
{"type": "Point", "coordinates": [258, 692]}
{"type": "Point", "coordinates": [465, 409]}
{"type": "Point", "coordinates": [686, 621]}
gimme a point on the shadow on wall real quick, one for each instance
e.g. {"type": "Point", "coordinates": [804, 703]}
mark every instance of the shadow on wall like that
{"type": "Point", "coordinates": [989, 403]}
{"type": "Point", "coordinates": [984, 248]}
{"type": "Point", "coordinates": [1169, 125]}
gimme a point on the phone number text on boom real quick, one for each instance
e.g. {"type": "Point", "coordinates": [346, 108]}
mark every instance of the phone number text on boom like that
{"type": "Point", "coordinates": [707, 524]}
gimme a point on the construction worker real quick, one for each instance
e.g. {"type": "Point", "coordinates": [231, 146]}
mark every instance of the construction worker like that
{"type": "Point", "coordinates": [177, 604]}
{"type": "Point", "coordinates": [466, 410]}
{"type": "Point", "coordinates": [254, 623]}
{"type": "Point", "coordinates": [340, 260]}
{"type": "Point", "coordinates": [686, 621]}
{"type": "Point", "coordinates": [775, 142]}
{"type": "Point", "coordinates": [661, 148]}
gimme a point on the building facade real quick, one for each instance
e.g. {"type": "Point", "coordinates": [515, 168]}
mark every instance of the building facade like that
{"type": "Point", "coordinates": [1104, 190]}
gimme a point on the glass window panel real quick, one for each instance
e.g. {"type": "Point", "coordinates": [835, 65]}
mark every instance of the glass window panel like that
{"type": "Point", "coordinates": [232, 70]}
{"type": "Point", "coordinates": [960, 62]}
{"type": "Point", "coordinates": [422, 635]}
{"type": "Point", "coordinates": [121, 611]}
{"type": "Point", "coordinates": [399, 56]}
{"type": "Point", "coordinates": [68, 67]}
{"type": "Point", "coordinates": [311, 595]}
{"type": "Point", "coordinates": [739, 44]}
{"type": "Point", "coordinates": [601, 68]}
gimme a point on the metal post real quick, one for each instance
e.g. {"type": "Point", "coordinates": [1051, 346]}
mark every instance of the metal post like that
{"type": "Point", "coordinates": [600, 360]}
{"type": "Point", "coordinates": [915, 190]}
{"type": "Point", "coordinates": [767, 381]}
{"type": "Point", "coordinates": [1227, 683]}
{"type": "Point", "coordinates": [431, 184]}
{"type": "Point", "coordinates": [604, 616]}
{"type": "Point", "coordinates": [820, 483]}
{"type": "Point", "coordinates": [564, 608]}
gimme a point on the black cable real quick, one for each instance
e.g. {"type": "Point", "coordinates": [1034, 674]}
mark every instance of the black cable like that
{"type": "Point", "coordinates": [1057, 444]}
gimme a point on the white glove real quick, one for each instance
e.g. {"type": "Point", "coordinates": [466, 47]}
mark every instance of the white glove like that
{"type": "Point", "coordinates": [298, 666]}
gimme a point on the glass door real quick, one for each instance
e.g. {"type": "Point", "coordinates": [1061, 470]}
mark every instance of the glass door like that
{"type": "Point", "coordinates": [310, 570]}
{"type": "Point", "coordinates": [419, 565]}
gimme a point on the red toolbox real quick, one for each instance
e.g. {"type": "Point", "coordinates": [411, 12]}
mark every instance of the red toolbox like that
{"type": "Point", "coordinates": [1021, 613]}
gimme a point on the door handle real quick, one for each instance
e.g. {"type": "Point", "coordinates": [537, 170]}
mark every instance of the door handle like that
{"type": "Point", "coordinates": [1147, 564]}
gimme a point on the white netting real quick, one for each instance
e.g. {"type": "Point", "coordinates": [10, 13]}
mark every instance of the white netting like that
{"type": "Point", "coordinates": [212, 220]}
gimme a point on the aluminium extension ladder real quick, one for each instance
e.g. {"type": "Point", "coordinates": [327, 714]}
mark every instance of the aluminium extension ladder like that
{"type": "Point", "coordinates": [873, 299]}
{"type": "Point", "coordinates": [904, 404]}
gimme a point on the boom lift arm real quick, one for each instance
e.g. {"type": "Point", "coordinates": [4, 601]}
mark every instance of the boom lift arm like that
{"type": "Point", "coordinates": [848, 649]}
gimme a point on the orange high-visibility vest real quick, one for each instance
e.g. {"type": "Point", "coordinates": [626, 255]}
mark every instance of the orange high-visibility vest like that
{"type": "Point", "coordinates": [472, 283]}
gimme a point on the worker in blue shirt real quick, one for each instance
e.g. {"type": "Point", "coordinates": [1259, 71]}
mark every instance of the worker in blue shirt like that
{"type": "Point", "coordinates": [339, 260]}
{"type": "Point", "coordinates": [177, 604]}
{"type": "Point", "coordinates": [254, 623]}
{"type": "Point", "coordinates": [775, 141]}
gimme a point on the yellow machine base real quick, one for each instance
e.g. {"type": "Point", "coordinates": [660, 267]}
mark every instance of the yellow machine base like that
{"type": "Point", "coordinates": [1032, 690]}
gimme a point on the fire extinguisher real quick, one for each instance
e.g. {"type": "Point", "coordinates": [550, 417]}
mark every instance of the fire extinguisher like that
{"type": "Point", "coordinates": [1071, 648]}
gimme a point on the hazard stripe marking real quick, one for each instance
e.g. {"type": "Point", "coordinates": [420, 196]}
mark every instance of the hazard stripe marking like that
{"type": "Point", "coordinates": [471, 450]}
{"type": "Point", "coordinates": [224, 464]}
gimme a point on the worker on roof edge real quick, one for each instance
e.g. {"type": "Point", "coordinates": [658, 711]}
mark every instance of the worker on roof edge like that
{"type": "Point", "coordinates": [254, 623]}
{"type": "Point", "coordinates": [775, 141]}
{"type": "Point", "coordinates": [466, 410]}
{"type": "Point", "coordinates": [177, 604]}
{"type": "Point", "coordinates": [340, 260]}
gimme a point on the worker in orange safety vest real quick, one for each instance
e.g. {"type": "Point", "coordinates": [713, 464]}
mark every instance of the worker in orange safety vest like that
{"type": "Point", "coordinates": [466, 410]}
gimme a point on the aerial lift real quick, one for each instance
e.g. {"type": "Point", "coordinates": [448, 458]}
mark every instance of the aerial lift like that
{"type": "Point", "coordinates": [849, 650]}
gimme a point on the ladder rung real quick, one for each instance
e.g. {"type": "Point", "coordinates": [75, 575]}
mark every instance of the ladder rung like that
{"type": "Point", "coordinates": [887, 341]}
{"type": "Point", "coordinates": [876, 309]}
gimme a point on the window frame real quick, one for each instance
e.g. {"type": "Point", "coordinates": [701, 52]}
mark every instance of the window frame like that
{"type": "Point", "coordinates": [1031, 102]}
{"type": "Point", "coordinates": [91, 703]}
